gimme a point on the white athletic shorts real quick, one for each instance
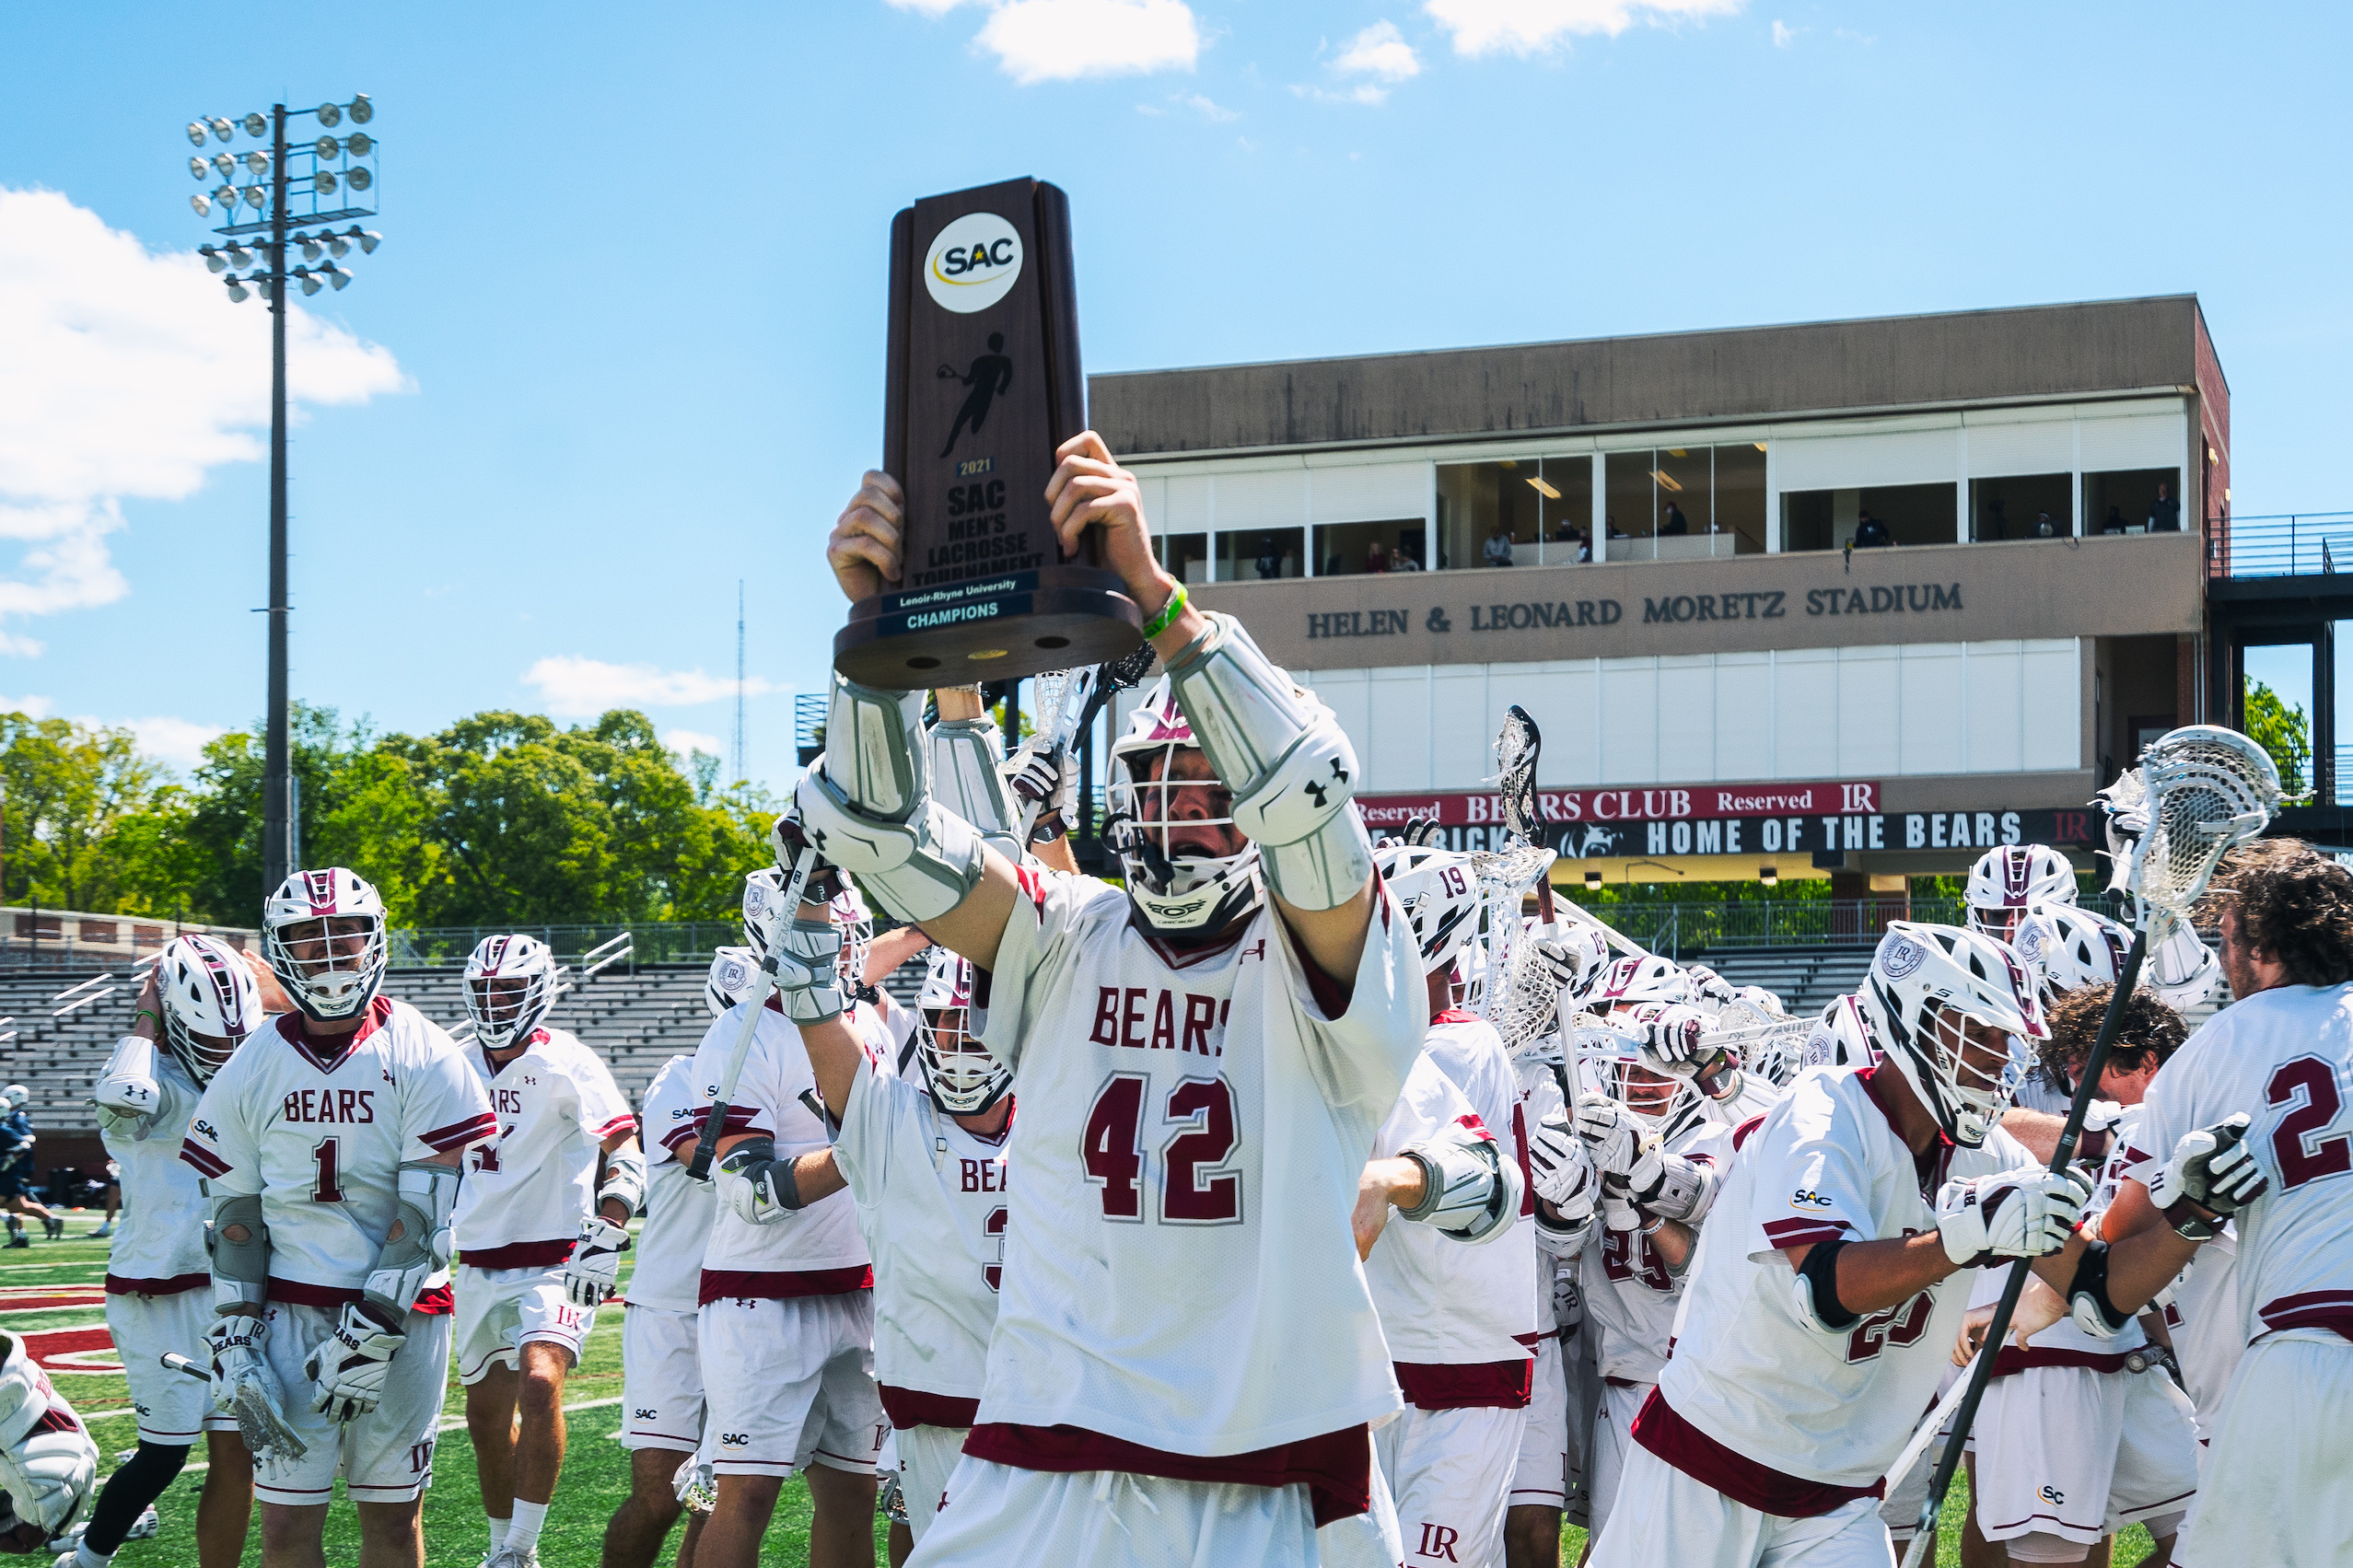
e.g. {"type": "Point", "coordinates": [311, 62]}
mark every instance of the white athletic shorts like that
{"type": "Point", "coordinates": [996, 1515]}
{"type": "Point", "coordinates": [794, 1384]}
{"type": "Point", "coordinates": [501, 1310]}
{"type": "Point", "coordinates": [1540, 1479]}
{"type": "Point", "coordinates": [173, 1407]}
{"type": "Point", "coordinates": [927, 1457]}
{"type": "Point", "coordinates": [1448, 1472]}
{"type": "Point", "coordinates": [2070, 1452]}
{"type": "Point", "coordinates": [661, 1379]}
{"type": "Point", "coordinates": [2278, 1487]}
{"type": "Point", "coordinates": [1612, 1443]}
{"type": "Point", "coordinates": [1666, 1517]}
{"type": "Point", "coordinates": [385, 1456]}
{"type": "Point", "coordinates": [1368, 1540]}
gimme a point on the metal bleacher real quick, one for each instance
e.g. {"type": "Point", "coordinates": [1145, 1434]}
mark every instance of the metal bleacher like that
{"type": "Point", "coordinates": [1804, 978]}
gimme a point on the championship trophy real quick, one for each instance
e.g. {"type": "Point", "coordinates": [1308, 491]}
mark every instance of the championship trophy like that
{"type": "Point", "coordinates": [984, 384]}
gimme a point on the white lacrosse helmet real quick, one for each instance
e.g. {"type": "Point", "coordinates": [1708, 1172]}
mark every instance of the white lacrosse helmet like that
{"type": "Point", "coordinates": [2064, 947]}
{"type": "Point", "coordinates": [1763, 1001]}
{"type": "Point", "coordinates": [342, 906]}
{"type": "Point", "coordinates": [2182, 968]}
{"type": "Point", "coordinates": [2008, 882]}
{"type": "Point", "coordinates": [210, 1002]}
{"type": "Point", "coordinates": [16, 1094]}
{"type": "Point", "coordinates": [1923, 980]}
{"type": "Point", "coordinates": [856, 923]}
{"type": "Point", "coordinates": [962, 1077]}
{"type": "Point", "coordinates": [1615, 1061]}
{"type": "Point", "coordinates": [763, 908]}
{"type": "Point", "coordinates": [1439, 896]}
{"type": "Point", "coordinates": [1841, 1037]}
{"type": "Point", "coordinates": [1643, 978]}
{"type": "Point", "coordinates": [730, 980]}
{"type": "Point", "coordinates": [1188, 896]}
{"type": "Point", "coordinates": [506, 1015]}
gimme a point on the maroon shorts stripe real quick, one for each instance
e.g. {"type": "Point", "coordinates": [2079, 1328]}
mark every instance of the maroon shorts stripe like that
{"type": "Point", "coordinates": [1449, 1386]}
{"type": "Point", "coordinates": [178, 1284]}
{"type": "Point", "coordinates": [782, 1284]}
{"type": "Point", "coordinates": [1744, 1481]}
{"type": "Point", "coordinates": [519, 1255]}
{"type": "Point", "coordinates": [1335, 1467]}
{"type": "Point", "coordinates": [913, 1407]}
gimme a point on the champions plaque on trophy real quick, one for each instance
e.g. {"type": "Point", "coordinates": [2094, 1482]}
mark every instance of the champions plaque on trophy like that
{"type": "Point", "coordinates": [984, 384]}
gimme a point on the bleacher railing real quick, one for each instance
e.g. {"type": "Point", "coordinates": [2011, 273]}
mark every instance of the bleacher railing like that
{"type": "Point", "coordinates": [607, 949]}
{"type": "Point", "coordinates": [2281, 544]}
{"type": "Point", "coordinates": [1675, 929]}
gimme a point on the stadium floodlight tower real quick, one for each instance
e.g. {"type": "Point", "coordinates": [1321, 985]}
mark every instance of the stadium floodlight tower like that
{"type": "Point", "coordinates": [316, 183]}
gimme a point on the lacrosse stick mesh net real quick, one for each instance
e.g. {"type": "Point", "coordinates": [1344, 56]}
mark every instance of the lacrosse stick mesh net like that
{"type": "Point", "coordinates": [1516, 746]}
{"type": "Point", "coordinates": [1516, 992]}
{"type": "Point", "coordinates": [2209, 790]}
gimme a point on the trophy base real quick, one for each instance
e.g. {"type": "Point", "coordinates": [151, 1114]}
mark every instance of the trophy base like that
{"type": "Point", "coordinates": [989, 629]}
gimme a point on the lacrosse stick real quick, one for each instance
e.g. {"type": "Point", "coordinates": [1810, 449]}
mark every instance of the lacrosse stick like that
{"type": "Point", "coordinates": [1517, 746]}
{"type": "Point", "coordinates": [2206, 790]}
{"type": "Point", "coordinates": [263, 1428]}
{"type": "Point", "coordinates": [1929, 1428]}
{"type": "Point", "coordinates": [763, 985]}
{"type": "Point", "coordinates": [1068, 701]}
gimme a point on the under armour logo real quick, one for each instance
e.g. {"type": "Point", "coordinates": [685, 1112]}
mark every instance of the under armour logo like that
{"type": "Point", "coordinates": [1321, 791]}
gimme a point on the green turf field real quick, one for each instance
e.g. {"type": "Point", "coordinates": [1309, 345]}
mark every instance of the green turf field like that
{"type": "Point", "coordinates": [595, 1469]}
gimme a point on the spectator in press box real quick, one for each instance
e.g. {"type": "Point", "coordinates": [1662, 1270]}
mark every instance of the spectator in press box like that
{"type": "Point", "coordinates": [2164, 513]}
{"type": "Point", "coordinates": [1871, 533]}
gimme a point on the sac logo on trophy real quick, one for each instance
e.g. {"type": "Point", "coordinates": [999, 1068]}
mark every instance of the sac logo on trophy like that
{"type": "Point", "coordinates": [984, 384]}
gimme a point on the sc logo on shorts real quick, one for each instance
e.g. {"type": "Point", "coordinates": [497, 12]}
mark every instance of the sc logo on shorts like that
{"type": "Point", "coordinates": [735, 1439]}
{"type": "Point", "coordinates": [2051, 1494]}
{"type": "Point", "coordinates": [1802, 1198]}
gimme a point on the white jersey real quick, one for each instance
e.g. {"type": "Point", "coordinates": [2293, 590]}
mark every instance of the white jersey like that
{"type": "Point", "coordinates": [159, 1239]}
{"type": "Point", "coordinates": [525, 1195]}
{"type": "Point", "coordinates": [678, 1208]}
{"type": "Point", "coordinates": [813, 1251]}
{"type": "Point", "coordinates": [1748, 1372]}
{"type": "Point", "coordinates": [1631, 1296]}
{"type": "Point", "coordinates": [1178, 1270]}
{"type": "Point", "coordinates": [1459, 1330]}
{"type": "Point", "coordinates": [1540, 1096]}
{"type": "Point", "coordinates": [932, 1204]}
{"type": "Point", "coordinates": [319, 1126]}
{"type": "Point", "coordinates": [2286, 1057]}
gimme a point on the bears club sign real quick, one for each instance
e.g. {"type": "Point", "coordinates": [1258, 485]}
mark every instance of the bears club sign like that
{"type": "Point", "coordinates": [1672, 803]}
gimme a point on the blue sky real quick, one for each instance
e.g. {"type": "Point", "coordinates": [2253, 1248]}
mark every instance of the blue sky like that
{"type": "Point", "coordinates": [623, 346]}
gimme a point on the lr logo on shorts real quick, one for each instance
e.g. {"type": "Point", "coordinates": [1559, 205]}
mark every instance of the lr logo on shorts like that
{"type": "Point", "coordinates": [1437, 1542]}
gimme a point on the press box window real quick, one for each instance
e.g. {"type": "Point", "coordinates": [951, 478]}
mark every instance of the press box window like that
{"type": "Point", "coordinates": [1249, 555]}
{"type": "Point", "coordinates": [2127, 501]}
{"type": "Point", "coordinates": [1184, 556]}
{"type": "Point", "coordinates": [1344, 550]}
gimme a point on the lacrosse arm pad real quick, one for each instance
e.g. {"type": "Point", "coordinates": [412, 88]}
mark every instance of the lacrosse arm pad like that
{"type": "Point", "coordinates": [1467, 1190]}
{"type": "Point", "coordinates": [625, 1181]}
{"type": "Point", "coordinates": [419, 1247]}
{"type": "Point", "coordinates": [966, 758]}
{"type": "Point", "coordinates": [241, 1269]}
{"type": "Point", "coordinates": [1815, 1287]}
{"type": "Point", "coordinates": [867, 807]}
{"type": "Point", "coordinates": [1290, 766]}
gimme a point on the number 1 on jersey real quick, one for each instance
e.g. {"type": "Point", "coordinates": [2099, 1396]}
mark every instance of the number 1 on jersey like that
{"type": "Point", "coordinates": [326, 1155]}
{"type": "Point", "coordinates": [1201, 1111]}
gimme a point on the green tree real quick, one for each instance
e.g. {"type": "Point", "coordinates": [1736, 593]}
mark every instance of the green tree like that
{"type": "Point", "coordinates": [78, 801]}
{"type": "Point", "coordinates": [2282, 731]}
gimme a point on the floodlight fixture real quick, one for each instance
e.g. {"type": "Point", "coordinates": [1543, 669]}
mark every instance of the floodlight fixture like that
{"type": "Point", "coordinates": [199, 169]}
{"type": "Point", "coordinates": [214, 260]}
{"type": "Point", "coordinates": [360, 179]}
{"type": "Point", "coordinates": [361, 110]}
{"type": "Point", "coordinates": [310, 247]}
{"type": "Point", "coordinates": [237, 292]}
{"type": "Point", "coordinates": [337, 246]}
{"type": "Point", "coordinates": [196, 132]}
{"type": "Point", "coordinates": [369, 239]}
{"type": "Point", "coordinates": [258, 161]}
{"type": "Point", "coordinates": [335, 275]}
{"type": "Point", "coordinates": [307, 279]}
{"type": "Point", "coordinates": [221, 128]}
{"type": "Point", "coordinates": [1769, 874]}
{"type": "Point", "coordinates": [324, 181]}
{"type": "Point", "coordinates": [327, 146]}
{"type": "Point", "coordinates": [1592, 878]}
{"type": "Point", "coordinates": [238, 256]}
{"type": "Point", "coordinates": [254, 196]}
{"type": "Point", "coordinates": [359, 144]}
{"type": "Point", "coordinates": [226, 164]}
{"type": "Point", "coordinates": [202, 203]}
{"type": "Point", "coordinates": [330, 115]}
{"type": "Point", "coordinates": [257, 123]}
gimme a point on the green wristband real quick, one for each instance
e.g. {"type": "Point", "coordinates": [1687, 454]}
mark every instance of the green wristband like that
{"type": "Point", "coordinates": [1168, 615]}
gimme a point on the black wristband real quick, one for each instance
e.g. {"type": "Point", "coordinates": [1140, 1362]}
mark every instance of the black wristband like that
{"type": "Point", "coordinates": [2091, 1280]}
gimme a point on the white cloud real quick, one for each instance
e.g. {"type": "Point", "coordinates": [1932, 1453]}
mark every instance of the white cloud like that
{"type": "Point", "coordinates": [1380, 52]}
{"type": "Point", "coordinates": [31, 707]}
{"type": "Point", "coordinates": [573, 686]}
{"type": "Point", "coordinates": [1783, 34]}
{"type": "Point", "coordinates": [124, 373]}
{"type": "Point", "coordinates": [180, 742]}
{"type": "Point", "coordinates": [928, 7]}
{"type": "Point", "coordinates": [1530, 27]}
{"type": "Point", "coordinates": [1215, 112]}
{"type": "Point", "coordinates": [1062, 41]}
{"type": "Point", "coordinates": [686, 742]}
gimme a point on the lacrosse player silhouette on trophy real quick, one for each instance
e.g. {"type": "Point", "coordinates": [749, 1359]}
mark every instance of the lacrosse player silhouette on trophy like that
{"type": "Point", "coordinates": [990, 372]}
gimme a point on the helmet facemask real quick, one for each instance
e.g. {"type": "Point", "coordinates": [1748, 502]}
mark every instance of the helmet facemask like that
{"type": "Point", "coordinates": [209, 1004]}
{"type": "Point", "coordinates": [330, 964]}
{"type": "Point", "coordinates": [962, 1077]}
{"type": "Point", "coordinates": [1189, 871]}
{"type": "Point", "coordinates": [1962, 1068]}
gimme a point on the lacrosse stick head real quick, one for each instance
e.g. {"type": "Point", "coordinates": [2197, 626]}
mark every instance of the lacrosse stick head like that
{"type": "Point", "coordinates": [1516, 745]}
{"type": "Point", "coordinates": [2209, 790]}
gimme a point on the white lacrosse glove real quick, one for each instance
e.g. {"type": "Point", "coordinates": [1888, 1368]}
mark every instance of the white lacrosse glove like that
{"type": "Point", "coordinates": [1673, 1033]}
{"type": "Point", "coordinates": [2012, 1214]}
{"type": "Point", "coordinates": [1612, 1137]}
{"type": "Point", "coordinates": [47, 1477]}
{"type": "Point", "coordinates": [1714, 989]}
{"type": "Point", "coordinates": [593, 1271]}
{"type": "Point", "coordinates": [2214, 1168]}
{"type": "Point", "coordinates": [1042, 777]}
{"type": "Point", "coordinates": [696, 1484]}
{"type": "Point", "coordinates": [350, 1366]}
{"type": "Point", "coordinates": [1560, 1170]}
{"type": "Point", "coordinates": [1565, 960]}
{"type": "Point", "coordinates": [244, 1387]}
{"type": "Point", "coordinates": [1618, 1212]}
{"type": "Point", "coordinates": [2102, 1116]}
